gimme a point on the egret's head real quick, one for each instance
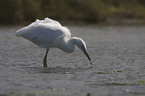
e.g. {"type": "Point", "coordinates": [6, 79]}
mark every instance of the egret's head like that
{"type": "Point", "coordinates": [82, 46]}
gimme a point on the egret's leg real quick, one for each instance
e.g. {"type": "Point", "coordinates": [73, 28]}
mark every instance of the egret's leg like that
{"type": "Point", "coordinates": [45, 59]}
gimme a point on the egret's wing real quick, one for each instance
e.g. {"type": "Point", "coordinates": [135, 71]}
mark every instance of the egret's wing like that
{"type": "Point", "coordinates": [48, 21]}
{"type": "Point", "coordinates": [44, 32]}
{"type": "Point", "coordinates": [54, 23]}
{"type": "Point", "coordinates": [43, 37]}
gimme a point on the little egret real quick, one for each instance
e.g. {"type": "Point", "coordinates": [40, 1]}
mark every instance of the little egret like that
{"type": "Point", "coordinates": [48, 34]}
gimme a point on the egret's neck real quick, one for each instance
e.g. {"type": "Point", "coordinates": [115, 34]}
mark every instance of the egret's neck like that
{"type": "Point", "coordinates": [69, 45]}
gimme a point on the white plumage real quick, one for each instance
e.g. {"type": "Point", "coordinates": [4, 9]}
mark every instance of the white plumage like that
{"type": "Point", "coordinates": [49, 33]}
{"type": "Point", "coordinates": [39, 31]}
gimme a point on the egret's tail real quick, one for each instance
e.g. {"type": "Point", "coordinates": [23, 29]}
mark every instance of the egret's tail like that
{"type": "Point", "coordinates": [21, 31]}
{"type": "Point", "coordinates": [18, 33]}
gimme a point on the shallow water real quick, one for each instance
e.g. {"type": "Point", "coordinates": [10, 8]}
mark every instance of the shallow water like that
{"type": "Point", "coordinates": [117, 52]}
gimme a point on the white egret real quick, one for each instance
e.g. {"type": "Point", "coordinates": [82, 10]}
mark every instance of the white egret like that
{"type": "Point", "coordinates": [48, 34]}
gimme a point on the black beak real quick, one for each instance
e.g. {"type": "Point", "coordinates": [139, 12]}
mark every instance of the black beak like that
{"type": "Point", "coordinates": [86, 53]}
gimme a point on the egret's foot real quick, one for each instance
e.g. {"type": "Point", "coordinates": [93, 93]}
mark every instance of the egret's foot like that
{"type": "Point", "coordinates": [45, 65]}
{"type": "Point", "coordinates": [91, 63]}
{"type": "Point", "coordinates": [91, 67]}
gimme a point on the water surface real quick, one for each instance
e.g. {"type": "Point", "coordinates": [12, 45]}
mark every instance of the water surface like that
{"type": "Point", "coordinates": [117, 52]}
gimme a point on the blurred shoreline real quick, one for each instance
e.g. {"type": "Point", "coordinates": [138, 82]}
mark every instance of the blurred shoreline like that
{"type": "Point", "coordinates": [108, 22]}
{"type": "Point", "coordinates": [15, 12]}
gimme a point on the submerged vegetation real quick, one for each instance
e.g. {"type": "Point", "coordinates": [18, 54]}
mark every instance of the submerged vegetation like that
{"type": "Point", "coordinates": [20, 11]}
